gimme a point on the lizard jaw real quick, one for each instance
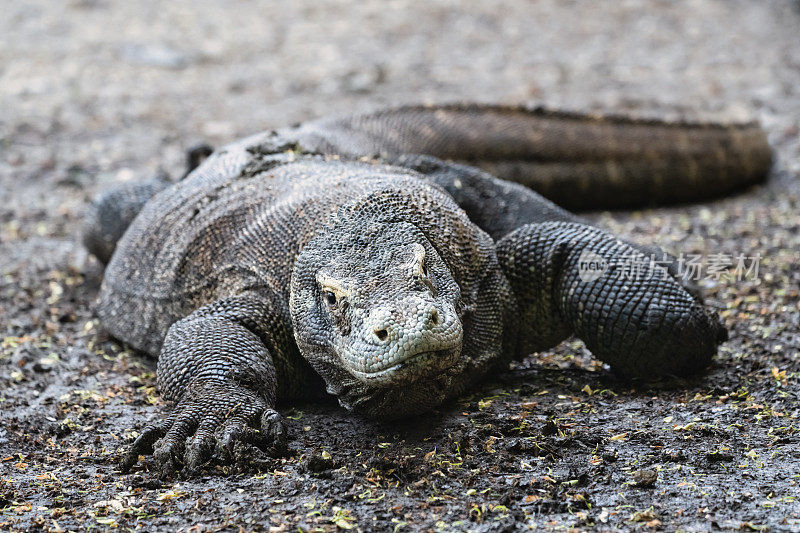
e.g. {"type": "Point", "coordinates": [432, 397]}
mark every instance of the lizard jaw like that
{"type": "Point", "coordinates": [424, 364]}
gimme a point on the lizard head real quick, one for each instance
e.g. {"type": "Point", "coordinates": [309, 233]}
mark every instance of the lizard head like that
{"type": "Point", "coordinates": [397, 301]}
{"type": "Point", "coordinates": [378, 302]}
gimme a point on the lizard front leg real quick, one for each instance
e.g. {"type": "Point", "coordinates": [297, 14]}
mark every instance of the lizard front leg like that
{"type": "Point", "coordinates": [570, 278]}
{"type": "Point", "coordinates": [215, 365]}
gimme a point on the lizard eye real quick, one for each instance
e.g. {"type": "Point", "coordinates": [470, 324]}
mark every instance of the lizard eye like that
{"type": "Point", "coordinates": [330, 298]}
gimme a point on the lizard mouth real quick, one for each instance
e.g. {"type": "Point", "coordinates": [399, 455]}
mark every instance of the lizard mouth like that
{"type": "Point", "coordinates": [426, 364]}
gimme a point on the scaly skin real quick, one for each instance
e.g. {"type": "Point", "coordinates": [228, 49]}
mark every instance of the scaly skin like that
{"type": "Point", "coordinates": [282, 267]}
{"type": "Point", "coordinates": [578, 161]}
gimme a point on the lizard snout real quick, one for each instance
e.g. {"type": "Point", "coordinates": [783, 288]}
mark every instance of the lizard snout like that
{"type": "Point", "coordinates": [408, 336]}
{"type": "Point", "coordinates": [404, 318]}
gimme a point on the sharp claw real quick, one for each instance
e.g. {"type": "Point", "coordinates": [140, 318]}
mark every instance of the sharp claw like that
{"type": "Point", "coordinates": [166, 455]}
{"type": "Point", "coordinates": [143, 444]}
{"type": "Point", "coordinates": [128, 460]}
{"type": "Point", "coordinates": [271, 434]}
{"type": "Point", "coordinates": [169, 451]}
{"type": "Point", "coordinates": [198, 451]}
{"type": "Point", "coordinates": [233, 433]}
{"type": "Point", "coordinates": [274, 430]}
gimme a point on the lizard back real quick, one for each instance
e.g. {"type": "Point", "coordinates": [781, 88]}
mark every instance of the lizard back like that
{"type": "Point", "coordinates": [237, 224]}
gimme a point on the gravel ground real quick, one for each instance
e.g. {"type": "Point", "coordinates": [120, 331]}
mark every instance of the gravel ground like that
{"type": "Point", "coordinates": [95, 92]}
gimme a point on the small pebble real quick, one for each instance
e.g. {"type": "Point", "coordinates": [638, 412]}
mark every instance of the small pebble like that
{"type": "Point", "coordinates": [644, 478]}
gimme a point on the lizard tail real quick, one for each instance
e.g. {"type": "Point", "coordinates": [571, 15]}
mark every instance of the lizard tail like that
{"type": "Point", "coordinates": [579, 161]}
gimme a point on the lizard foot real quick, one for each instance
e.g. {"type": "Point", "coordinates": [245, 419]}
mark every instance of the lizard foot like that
{"type": "Point", "coordinates": [211, 416]}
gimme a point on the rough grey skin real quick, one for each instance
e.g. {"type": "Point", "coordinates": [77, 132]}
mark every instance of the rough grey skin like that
{"type": "Point", "coordinates": [344, 255]}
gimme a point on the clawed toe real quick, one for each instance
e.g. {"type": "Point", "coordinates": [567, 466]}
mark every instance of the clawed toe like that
{"type": "Point", "coordinates": [271, 436]}
{"type": "Point", "coordinates": [199, 449]}
{"type": "Point", "coordinates": [274, 430]}
{"type": "Point", "coordinates": [167, 456]}
{"type": "Point", "coordinates": [143, 444]}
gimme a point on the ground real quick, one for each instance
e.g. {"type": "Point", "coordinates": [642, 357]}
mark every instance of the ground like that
{"type": "Point", "coordinates": [96, 92]}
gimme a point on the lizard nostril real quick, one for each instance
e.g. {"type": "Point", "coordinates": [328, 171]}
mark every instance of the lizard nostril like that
{"type": "Point", "coordinates": [382, 334]}
{"type": "Point", "coordinates": [435, 317]}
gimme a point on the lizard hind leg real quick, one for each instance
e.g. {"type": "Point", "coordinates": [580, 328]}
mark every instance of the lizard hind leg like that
{"type": "Point", "coordinates": [112, 211]}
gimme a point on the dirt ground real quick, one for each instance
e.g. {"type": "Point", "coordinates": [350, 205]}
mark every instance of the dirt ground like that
{"type": "Point", "coordinates": [96, 92]}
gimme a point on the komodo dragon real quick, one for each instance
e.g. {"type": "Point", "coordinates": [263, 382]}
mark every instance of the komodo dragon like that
{"type": "Point", "coordinates": [361, 256]}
